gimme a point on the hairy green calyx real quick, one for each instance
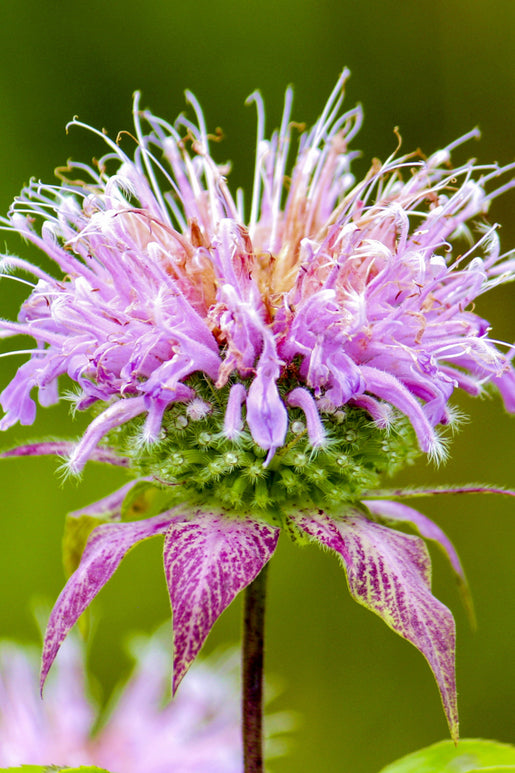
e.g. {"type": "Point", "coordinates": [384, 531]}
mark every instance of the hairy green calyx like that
{"type": "Point", "coordinates": [194, 455]}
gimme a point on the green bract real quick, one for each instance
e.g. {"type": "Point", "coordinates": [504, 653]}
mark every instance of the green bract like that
{"type": "Point", "coordinates": [51, 769]}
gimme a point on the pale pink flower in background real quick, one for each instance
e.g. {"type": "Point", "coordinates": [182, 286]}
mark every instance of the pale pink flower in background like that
{"type": "Point", "coordinates": [142, 733]}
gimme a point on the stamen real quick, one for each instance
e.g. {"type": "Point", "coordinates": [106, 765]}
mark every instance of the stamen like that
{"type": "Point", "coordinates": [254, 211]}
{"type": "Point", "coordinates": [283, 144]}
{"type": "Point", "coordinates": [22, 351]}
{"type": "Point", "coordinates": [16, 279]}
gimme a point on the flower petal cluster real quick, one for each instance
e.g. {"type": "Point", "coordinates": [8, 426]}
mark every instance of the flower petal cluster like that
{"type": "Point", "coordinates": [143, 730]}
{"type": "Point", "coordinates": [353, 288]}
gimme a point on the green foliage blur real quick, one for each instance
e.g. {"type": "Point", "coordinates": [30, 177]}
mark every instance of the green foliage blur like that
{"type": "Point", "coordinates": [470, 756]}
{"type": "Point", "coordinates": [435, 70]}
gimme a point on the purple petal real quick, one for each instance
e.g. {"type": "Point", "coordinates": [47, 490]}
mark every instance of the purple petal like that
{"type": "Point", "coordinates": [301, 398]}
{"type": "Point", "coordinates": [266, 414]}
{"type": "Point", "coordinates": [208, 560]}
{"type": "Point", "coordinates": [506, 386]}
{"type": "Point", "coordinates": [233, 422]}
{"type": "Point", "coordinates": [16, 400]}
{"type": "Point", "coordinates": [119, 412]}
{"type": "Point", "coordinates": [382, 413]}
{"type": "Point", "coordinates": [389, 388]}
{"type": "Point", "coordinates": [398, 512]}
{"type": "Point", "coordinates": [390, 574]}
{"type": "Point", "coordinates": [105, 548]}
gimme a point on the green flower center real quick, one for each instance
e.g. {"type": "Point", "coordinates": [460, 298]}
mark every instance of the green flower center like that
{"type": "Point", "coordinates": [195, 458]}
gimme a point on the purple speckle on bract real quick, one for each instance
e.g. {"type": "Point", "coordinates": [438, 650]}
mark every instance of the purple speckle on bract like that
{"type": "Point", "coordinates": [208, 560]}
{"type": "Point", "coordinates": [390, 574]}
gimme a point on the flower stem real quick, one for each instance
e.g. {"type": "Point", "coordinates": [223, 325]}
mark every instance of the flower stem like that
{"type": "Point", "coordinates": [252, 673]}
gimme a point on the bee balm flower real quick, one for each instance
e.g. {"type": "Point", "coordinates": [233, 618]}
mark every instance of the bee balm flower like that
{"type": "Point", "coordinates": [347, 289]}
{"type": "Point", "coordinates": [262, 371]}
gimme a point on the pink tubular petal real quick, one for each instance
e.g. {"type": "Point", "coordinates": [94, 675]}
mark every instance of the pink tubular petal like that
{"type": "Point", "coordinates": [116, 414]}
{"type": "Point", "coordinates": [208, 560]}
{"type": "Point", "coordinates": [15, 399]}
{"type": "Point", "coordinates": [382, 413]}
{"type": "Point", "coordinates": [106, 547]}
{"type": "Point", "coordinates": [233, 422]}
{"type": "Point", "coordinates": [389, 573]}
{"type": "Point", "coordinates": [389, 388]}
{"type": "Point", "coordinates": [267, 416]}
{"type": "Point", "coordinates": [506, 386]}
{"type": "Point", "coordinates": [301, 398]}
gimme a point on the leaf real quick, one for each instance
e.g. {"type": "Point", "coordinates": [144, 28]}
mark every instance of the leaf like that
{"type": "Point", "coordinates": [208, 560]}
{"type": "Point", "coordinates": [390, 573]}
{"type": "Point", "coordinates": [146, 499]}
{"type": "Point", "coordinates": [106, 547]}
{"type": "Point", "coordinates": [495, 769]}
{"type": "Point", "coordinates": [51, 769]}
{"type": "Point", "coordinates": [28, 769]}
{"type": "Point", "coordinates": [397, 512]}
{"type": "Point", "coordinates": [80, 523]}
{"type": "Point", "coordinates": [86, 769]}
{"type": "Point", "coordinates": [31, 769]}
{"type": "Point", "coordinates": [469, 756]}
{"type": "Point", "coordinates": [76, 532]}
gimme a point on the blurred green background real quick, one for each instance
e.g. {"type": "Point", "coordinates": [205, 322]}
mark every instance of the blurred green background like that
{"type": "Point", "coordinates": [435, 70]}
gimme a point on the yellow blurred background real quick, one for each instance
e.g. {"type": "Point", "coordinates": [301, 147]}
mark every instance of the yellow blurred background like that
{"type": "Point", "coordinates": [435, 70]}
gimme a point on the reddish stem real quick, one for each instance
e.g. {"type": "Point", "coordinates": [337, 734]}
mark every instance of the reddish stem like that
{"type": "Point", "coordinates": [252, 673]}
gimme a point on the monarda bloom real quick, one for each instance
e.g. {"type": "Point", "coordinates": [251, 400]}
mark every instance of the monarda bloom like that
{"type": "Point", "coordinates": [258, 368]}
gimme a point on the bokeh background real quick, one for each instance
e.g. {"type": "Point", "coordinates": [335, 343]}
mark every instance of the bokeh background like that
{"type": "Point", "coordinates": [363, 696]}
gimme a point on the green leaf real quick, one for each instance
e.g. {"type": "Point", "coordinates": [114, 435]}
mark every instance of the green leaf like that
{"type": "Point", "coordinates": [495, 769]}
{"type": "Point", "coordinates": [29, 769]}
{"type": "Point", "coordinates": [471, 755]}
{"type": "Point", "coordinates": [77, 529]}
{"type": "Point", "coordinates": [80, 523]}
{"type": "Point", "coordinates": [52, 769]}
{"type": "Point", "coordinates": [146, 499]}
{"type": "Point", "coordinates": [86, 769]}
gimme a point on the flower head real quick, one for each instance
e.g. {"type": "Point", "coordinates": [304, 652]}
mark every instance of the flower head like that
{"type": "Point", "coordinates": [198, 731]}
{"type": "Point", "coordinates": [262, 371]}
{"type": "Point", "coordinates": [349, 290]}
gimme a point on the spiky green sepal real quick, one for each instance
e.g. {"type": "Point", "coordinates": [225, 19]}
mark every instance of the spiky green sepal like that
{"type": "Point", "coordinates": [194, 455]}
